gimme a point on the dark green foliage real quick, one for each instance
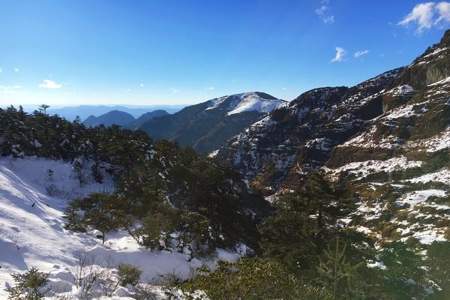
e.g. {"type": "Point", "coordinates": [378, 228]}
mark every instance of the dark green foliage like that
{"type": "Point", "coordinates": [128, 274]}
{"type": "Point", "coordinates": [43, 135]}
{"type": "Point", "coordinates": [99, 211]}
{"type": "Point", "coordinates": [174, 191]}
{"type": "Point", "coordinates": [156, 229]}
{"type": "Point", "coordinates": [196, 233]}
{"type": "Point", "coordinates": [404, 277]}
{"type": "Point", "coordinates": [438, 263]}
{"type": "Point", "coordinates": [28, 286]}
{"type": "Point", "coordinates": [252, 279]}
{"type": "Point", "coordinates": [337, 273]}
{"type": "Point", "coordinates": [304, 222]}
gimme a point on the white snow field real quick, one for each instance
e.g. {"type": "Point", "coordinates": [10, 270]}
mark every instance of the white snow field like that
{"type": "Point", "coordinates": [247, 102]}
{"type": "Point", "coordinates": [253, 102]}
{"type": "Point", "coordinates": [32, 230]}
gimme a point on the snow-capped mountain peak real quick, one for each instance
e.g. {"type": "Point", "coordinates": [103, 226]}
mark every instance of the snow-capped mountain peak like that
{"type": "Point", "coordinates": [243, 102]}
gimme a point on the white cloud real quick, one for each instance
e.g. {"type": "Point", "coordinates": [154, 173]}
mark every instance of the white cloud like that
{"type": "Point", "coordinates": [443, 9]}
{"type": "Point", "coordinates": [428, 14]}
{"type": "Point", "coordinates": [324, 12]}
{"type": "Point", "coordinates": [360, 53]}
{"type": "Point", "coordinates": [16, 70]}
{"type": "Point", "coordinates": [1, 70]}
{"type": "Point", "coordinates": [340, 54]}
{"type": "Point", "coordinates": [50, 84]}
{"type": "Point", "coordinates": [210, 88]}
{"type": "Point", "coordinates": [141, 85]}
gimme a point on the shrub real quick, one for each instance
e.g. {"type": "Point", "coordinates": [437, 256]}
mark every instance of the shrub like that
{"type": "Point", "coordinates": [252, 279]}
{"type": "Point", "coordinates": [129, 274]}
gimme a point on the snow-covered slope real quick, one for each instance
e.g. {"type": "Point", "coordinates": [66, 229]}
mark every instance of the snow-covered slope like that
{"type": "Point", "coordinates": [253, 101]}
{"type": "Point", "coordinates": [32, 234]}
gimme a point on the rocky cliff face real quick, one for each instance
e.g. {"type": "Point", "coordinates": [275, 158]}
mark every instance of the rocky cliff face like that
{"type": "Point", "coordinates": [332, 126]}
{"type": "Point", "coordinates": [302, 136]}
{"type": "Point", "coordinates": [389, 137]}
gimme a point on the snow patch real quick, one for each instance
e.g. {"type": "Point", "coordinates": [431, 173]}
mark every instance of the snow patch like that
{"type": "Point", "coordinates": [366, 140]}
{"type": "Point", "coordinates": [436, 143]}
{"type": "Point", "coordinates": [213, 153]}
{"type": "Point", "coordinates": [402, 90]}
{"type": "Point", "coordinates": [442, 176]}
{"type": "Point", "coordinates": [440, 82]}
{"type": "Point", "coordinates": [364, 168]}
{"type": "Point", "coordinates": [253, 102]}
{"type": "Point", "coordinates": [417, 197]}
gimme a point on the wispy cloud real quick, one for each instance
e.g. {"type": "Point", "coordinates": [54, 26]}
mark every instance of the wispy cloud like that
{"type": "Point", "coordinates": [323, 12]}
{"type": "Point", "coordinates": [9, 89]}
{"type": "Point", "coordinates": [360, 53]}
{"type": "Point", "coordinates": [174, 91]}
{"type": "Point", "coordinates": [16, 70]}
{"type": "Point", "coordinates": [141, 85]}
{"type": "Point", "coordinates": [427, 15]}
{"type": "Point", "coordinates": [50, 84]}
{"type": "Point", "coordinates": [340, 54]}
{"type": "Point", "coordinates": [210, 88]}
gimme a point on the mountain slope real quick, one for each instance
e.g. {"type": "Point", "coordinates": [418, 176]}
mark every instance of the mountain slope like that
{"type": "Point", "coordinates": [389, 135]}
{"type": "Point", "coordinates": [206, 126]}
{"type": "Point", "coordinates": [314, 128]}
{"type": "Point", "coordinates": [303, 134]}
{"type": "Point", "coordinates": [114, 117]}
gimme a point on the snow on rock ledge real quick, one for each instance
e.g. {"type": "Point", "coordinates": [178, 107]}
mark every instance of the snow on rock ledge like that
{"type": "Point", "coordinates": [364, 168]}
{"type": "Point", "coordinates": [432, 144]}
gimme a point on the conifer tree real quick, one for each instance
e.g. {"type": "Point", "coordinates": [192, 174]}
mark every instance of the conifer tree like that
{"type": "Point", "coordinates": [28, 285]}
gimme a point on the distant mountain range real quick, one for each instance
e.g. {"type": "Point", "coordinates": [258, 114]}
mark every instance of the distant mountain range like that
{"type": "Point", "coordinates": [124, 119]}
{"type": "Point", "coordinates": [85, 111]}
{"type": "Point", "coordinates": [208, 125]}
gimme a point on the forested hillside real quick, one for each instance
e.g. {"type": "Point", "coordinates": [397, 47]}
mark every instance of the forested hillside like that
{"type": "Point", "coordinates": [163, 197]}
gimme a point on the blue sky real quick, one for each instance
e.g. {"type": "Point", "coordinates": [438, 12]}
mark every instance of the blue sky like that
{"type": "Point", "coordinates": [64, 52]}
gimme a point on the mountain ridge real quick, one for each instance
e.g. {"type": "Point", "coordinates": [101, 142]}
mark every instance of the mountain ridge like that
{"type": "Point", "coordinates": [207, 125]}
{"type": "Point", "coordinates": [121, 118]}
{"type": "Point", "coordinates": [114, 117]}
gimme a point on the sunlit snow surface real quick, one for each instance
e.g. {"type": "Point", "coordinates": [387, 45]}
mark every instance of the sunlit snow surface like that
{"type": "Point", "coordinates": [246, 102]}
{"type": "Point", "coordinates": [32, 230]}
